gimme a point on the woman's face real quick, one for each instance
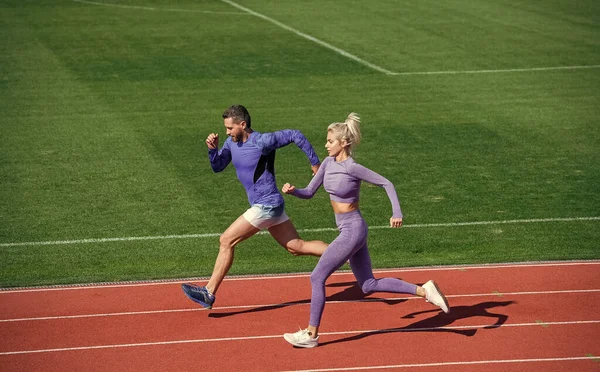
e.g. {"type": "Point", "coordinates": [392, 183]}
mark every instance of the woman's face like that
{"type": "Point", "coordinates": [333, 145]}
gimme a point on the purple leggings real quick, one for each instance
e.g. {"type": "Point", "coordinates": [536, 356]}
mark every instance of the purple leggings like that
{"type": "Point", "coordinates": [350, 244]}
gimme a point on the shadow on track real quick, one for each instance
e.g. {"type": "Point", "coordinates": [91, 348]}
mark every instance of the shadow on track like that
{"type": "Point", "coordinates": [352, 293]}
{"type": "Point", "coordinates": [437, 322]}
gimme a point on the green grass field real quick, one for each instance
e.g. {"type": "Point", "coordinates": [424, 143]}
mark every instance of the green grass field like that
{"type": "Point", "coordinates": [105, 106]}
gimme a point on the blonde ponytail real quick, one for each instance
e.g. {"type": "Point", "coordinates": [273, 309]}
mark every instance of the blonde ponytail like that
{"type": "Point", "coordinates": [348, 131]}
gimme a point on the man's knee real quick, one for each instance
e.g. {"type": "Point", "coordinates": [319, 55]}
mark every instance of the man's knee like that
{"type": "Point", "coordinates": [227, 242]}
{"type": "Point", "coordinates": [295, 247]}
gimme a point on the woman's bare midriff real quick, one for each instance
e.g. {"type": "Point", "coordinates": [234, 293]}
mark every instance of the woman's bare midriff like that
{"type": "Point", "coordinates": [339, 207]}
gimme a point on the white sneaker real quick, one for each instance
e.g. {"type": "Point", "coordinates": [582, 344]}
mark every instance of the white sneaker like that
{"type": "Point", "coordinates": [435, 296]}
{"type": "Point", "coordinates": [302, 338]}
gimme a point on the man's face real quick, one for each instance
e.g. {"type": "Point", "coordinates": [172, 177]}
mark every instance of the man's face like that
{"type": "Point", "coordinates": [234, 130]}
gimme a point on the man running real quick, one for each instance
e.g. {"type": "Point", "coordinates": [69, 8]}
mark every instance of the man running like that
{"type": "Point", "coordinates": [253, 156]}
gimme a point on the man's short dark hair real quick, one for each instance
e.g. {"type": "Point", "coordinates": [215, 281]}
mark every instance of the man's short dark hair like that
{"type": "Point", "coordinates": [238, 113]}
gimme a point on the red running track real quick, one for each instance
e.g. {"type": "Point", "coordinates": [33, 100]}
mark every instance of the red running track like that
{"type": "Point", "coordinates": [525, 317]}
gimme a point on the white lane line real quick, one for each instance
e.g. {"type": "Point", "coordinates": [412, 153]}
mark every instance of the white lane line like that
{"type": "Point", "coordinates": [63, 317]}
{"type": "Point", "coordinates": [312, 38]}
{"type": "Point", "coordinates": [71, 287]}
{"type": "Point", "coordinates": [289, 304]}
{"type": "Point", "coordinates": [247, 338]}
{"type": "Point", "coordinates": [532, 69]}
{"type": "Point", "coordinates": [212, 235]}
{"type": "Point", "coordinates": [156, 9]}
{"type": "Point", "coordinates": [443, 364]}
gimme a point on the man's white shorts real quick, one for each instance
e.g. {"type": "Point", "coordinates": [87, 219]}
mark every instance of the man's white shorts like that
{"type": "Point", "coordinates": [264, 216]}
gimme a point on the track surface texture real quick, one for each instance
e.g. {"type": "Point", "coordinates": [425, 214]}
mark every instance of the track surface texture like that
{"type": "Point", "coordinates": [518, 317]}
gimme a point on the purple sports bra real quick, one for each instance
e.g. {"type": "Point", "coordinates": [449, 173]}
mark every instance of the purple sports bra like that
{"type": "Point", "coordinates": [342, 182]}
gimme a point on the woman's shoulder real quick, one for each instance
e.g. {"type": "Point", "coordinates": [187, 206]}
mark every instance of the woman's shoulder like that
{"type": "Point", "coordinates": [351, 163]}
{"type": "Point", "coordinates": [353, 166]}
{"type": "Point", "coordinates": [327, 160]}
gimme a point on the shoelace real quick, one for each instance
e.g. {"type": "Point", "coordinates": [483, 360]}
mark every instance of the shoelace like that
{"type": "Point", "coordinates": [196, 286]}
{"type": "Point", "coordinates": [302, 333]}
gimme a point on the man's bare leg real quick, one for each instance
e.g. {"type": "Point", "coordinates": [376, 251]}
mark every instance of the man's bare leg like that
{"type": "Point", "coordinates": [286, 235]}
{"type": "Point", "coordinates": [237, 232]}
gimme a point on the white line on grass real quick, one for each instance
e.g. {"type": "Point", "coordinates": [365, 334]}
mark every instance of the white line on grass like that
{"type": "Point", "coordinates": [311, 38]}
{"type": "Point", "coordinates": [279, 305]}
{"type": "Point", "coordinates": [212, 235]}
{"type": "Point", "coordinates": [248, 338]}
{"type": "Point", "coordinates": [496, 71]}
{"type": "Point", "coordinates": [340, 51]}
{"type": "Point", "coordinates": [442, 364]}
{"type": "Point", "coordinates": [156, 9]}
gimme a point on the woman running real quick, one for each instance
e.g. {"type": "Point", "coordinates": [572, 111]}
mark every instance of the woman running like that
{"type": "Point", "coordinates": [341, 177]}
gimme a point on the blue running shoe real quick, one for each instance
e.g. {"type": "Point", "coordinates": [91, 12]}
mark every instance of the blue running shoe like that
{"type": "Point", "coordinates": [198, 294]}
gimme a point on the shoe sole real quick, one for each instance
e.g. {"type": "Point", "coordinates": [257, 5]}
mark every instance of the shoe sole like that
{"type": "Point", "coordinates": [306, 346]}
{"type": "Point", "coordinates": [203, 304]}
{"type": "Point", "coordinates": [442, 296]}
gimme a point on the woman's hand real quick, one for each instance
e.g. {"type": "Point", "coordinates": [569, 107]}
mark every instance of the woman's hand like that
{"type": "Point", "coordinates": [396, 222]}
{"type": "Point", "coordinates": [288, 189]}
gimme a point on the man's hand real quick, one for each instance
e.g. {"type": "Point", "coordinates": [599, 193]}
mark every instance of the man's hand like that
{"type": "Point", "coordinates": [288, 189]}
{"type": "Point", "coordinates": [395, 222]}
{"type": "Point", "coordinates": [315, 168]}
{"type": "Point", "coordinates": [212, 141]}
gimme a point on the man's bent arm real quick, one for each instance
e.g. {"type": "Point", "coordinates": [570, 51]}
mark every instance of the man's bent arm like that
{"type": "Point", "coordinates": [271, 141]}
{"type": "Point", "coordinates": [219, 159]}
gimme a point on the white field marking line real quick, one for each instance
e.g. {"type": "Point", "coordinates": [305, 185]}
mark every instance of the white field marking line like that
{"type": "Point", "coordinates": [156, 9]}
{"type": "Point", "coordinates": [311, 38]}
{"type": "Point", "coordinates": [442, 364]}
{"type": "Point", "coordinates": [288, 276]}
{"type": "Point", "coordinates": [292, 303]}
{"type": "Point", "coordinates": [247, 11]}
{"type": "Point", "coordinates": [211, 235]}
{"type": "Point", "coordinates": [496, 71]}
{"type": "Point", "coordinates": [247, 338]}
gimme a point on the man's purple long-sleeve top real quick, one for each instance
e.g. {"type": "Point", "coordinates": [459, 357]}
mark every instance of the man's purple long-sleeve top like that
{"type": "Point", "coordinates": [254, 162]}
